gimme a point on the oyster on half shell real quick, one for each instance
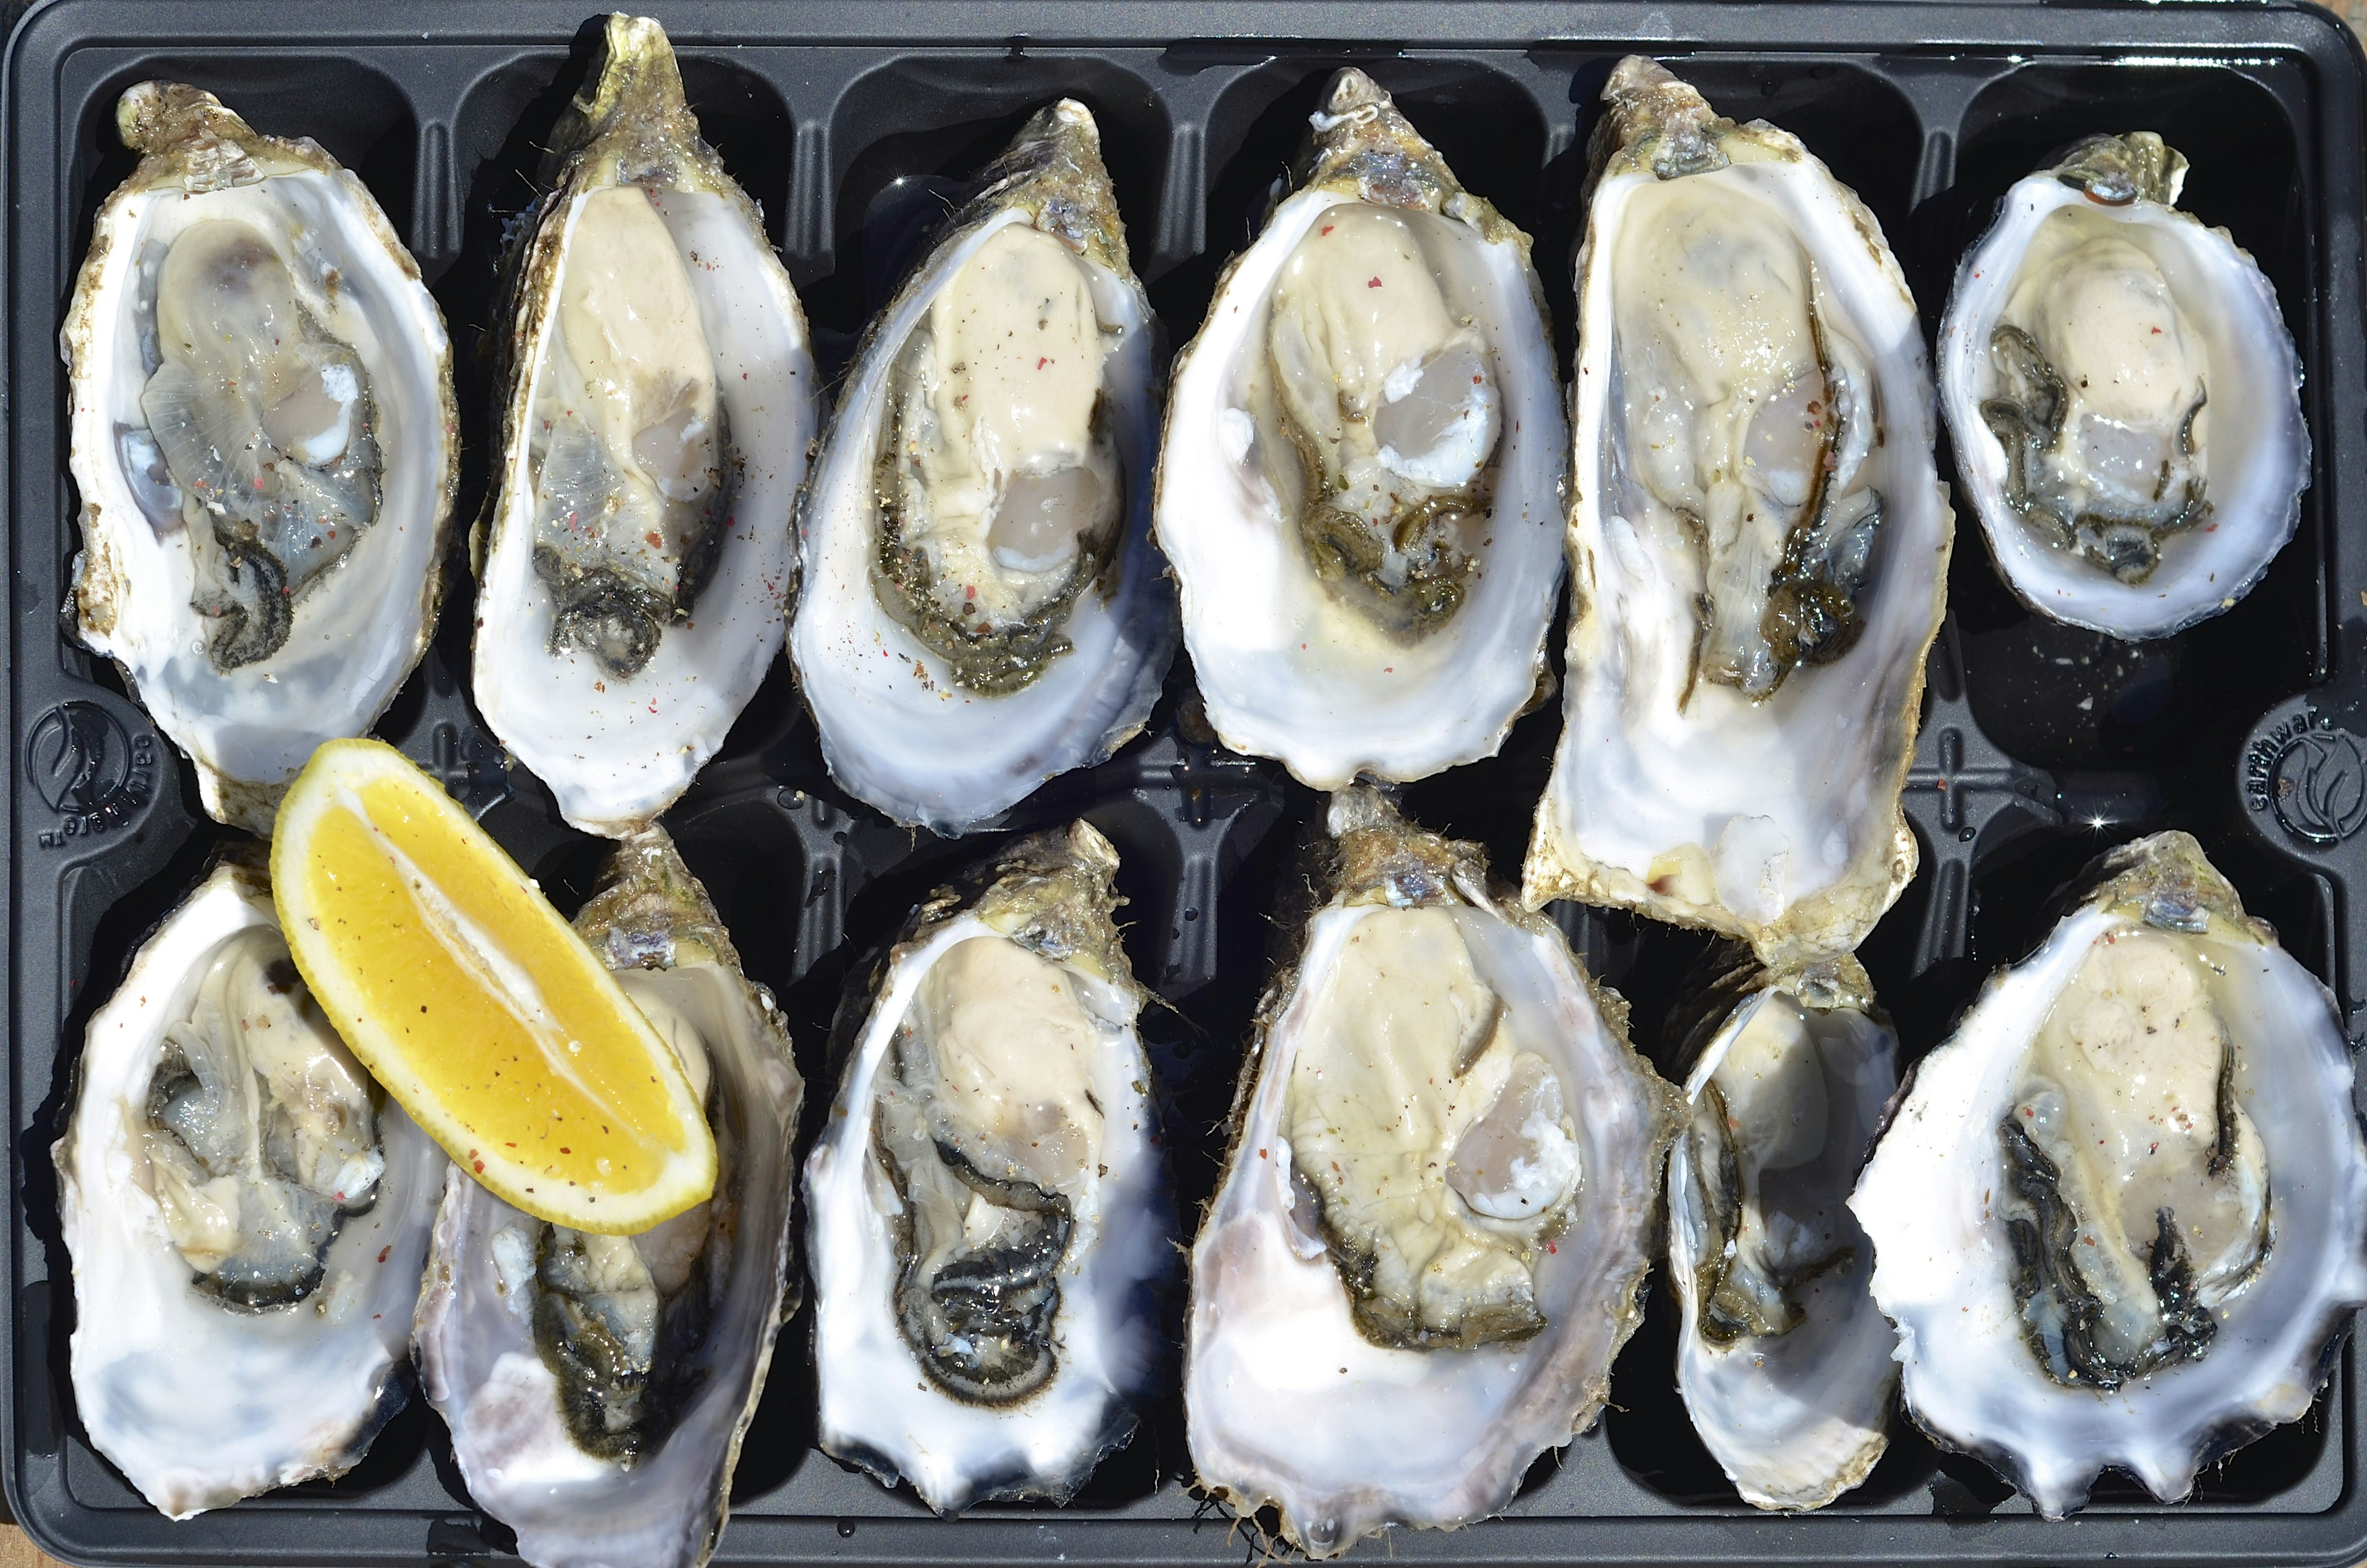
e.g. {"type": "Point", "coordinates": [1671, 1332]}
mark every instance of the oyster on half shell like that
{"type": "Point", "coordinates": [2124, 395]}
{"type": "Point", "coordinates": [597, 1387]}
{"type": "Point", "coordinates": [1361, 484]}
{"type": "Point", "coordinates": [657, 403]}
{"type": "Point", "coordinates": [2120, 1218]}
{"type": "Point", "coordinates": [1759, 540]}
{"type": "Point", "coordinates": [989, 1224]}
{"type": "Point", "coordinates": [264, 442]}
{"type": "Point", "coordinates": [1433, 1226]}
{"type": "Point", "coordinates": [980, 606]}
{"type": "Point", "coordinates": [247, 1214]}
{"type": "Point", "coordinates": [1782, 1360]}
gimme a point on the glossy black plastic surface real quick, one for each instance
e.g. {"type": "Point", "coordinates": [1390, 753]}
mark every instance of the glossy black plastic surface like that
{"type": "Point", "coordinates": [2041, 745]}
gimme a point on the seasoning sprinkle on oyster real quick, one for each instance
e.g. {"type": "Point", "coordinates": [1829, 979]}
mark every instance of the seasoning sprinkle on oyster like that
{"type": "Point", "coordinates": [989, 1220]}
{"type": "Point", "coordinates": [1433, 1227]}
{"type": "Point", "coordinates": [1361, 483]}
{"type": "Point", "coordinates": [247, 1214]}
{"type": "Point", "coordinates": [1759, 540]}
{"type": "Point", "coordinates": [597, 1387]}
{"type": "Point", "coordinates": [2124, 397]}
{"type": "Point", "coordinates": [263, 440]}
{"type": "Point", "coordinates": [657, 404]}
{"type": "Point", "coordinates": [2120, 1218]}
{"type": "Point", "coordinates": [981, 608]}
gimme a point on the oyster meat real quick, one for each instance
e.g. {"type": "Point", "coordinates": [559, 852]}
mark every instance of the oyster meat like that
{"type": "Point", "coordinates": [980, 607]}
{"type": "Point", "coordinates": [989, 1220]}
{"type": "Point", "coordinates": [1784, 1361]}
{"type": "Point", "coordinates": [263, 437]}
{"type": "Point", "coordinates": [598, 1386]}
{"type": "Point", "coordinates": [1362, 476]}
{"type": "Point", "coordinates": [247, 1214]}
{"type": "Point", "coordinates": [658, 400]}
{"type": "Point", "coordinates": [1433, 1228]}
{"type": "Point", "coordinates": [2120, 1218]}
{"type": "Point", "coordinates": [1759, 540]}
{"type": "Point", "coordinates": [2124, 395]}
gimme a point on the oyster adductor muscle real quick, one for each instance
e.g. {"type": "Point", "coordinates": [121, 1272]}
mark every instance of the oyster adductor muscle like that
{"type": "Point", "coordinates": [982, 607]}
{"type": "Point", "coordinates": [247, 1214]}
{"type": "Point", "coordinates": [2120, 1218]}
{"type": "Point", "coordinates": [597, 1387]}
{"type": "Point", "coordinates": [1435, 1221]}
{"type": "Point", "coordinates": [263, 437]}
{"type": "Point", "coordinates": [1362, 475]}
{"type": "Point", "coordinates": [2125, 396]}
{"type": "Point", "coordinates": [1759, 540]}
{"type": "Point", "coordinates": [990, 1227]}
{"type": "Point", "coordinates": [656, 404]}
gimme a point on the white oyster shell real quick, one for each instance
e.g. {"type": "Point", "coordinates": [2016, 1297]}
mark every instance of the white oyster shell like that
{"type": "Point", "coordinates": [1931, 1195]}
{"type": "Point", "coordinates": [199, 1403]}
{"type": "Point", "coordinates": [880, 1408]}
{"type": "Point", "coordinates": [357, 627]}
{"type": "Point", "coordinates": [1289, 666]}
{"type": "Point", "coordinates": [898, 730]}
{"type": "Point", "coordinates": [1767, 813]}
{"type": "Point", "coordinates": [482, 1363]}
{"type": "Point", "coordinates": [618, 747]}
{"type": "Point", "coordinates": [1288, 1400]}
{"type": "Point", "coordinates": [1805, 1069]}
{"type": "Point", "coordinates": [2251, 444]}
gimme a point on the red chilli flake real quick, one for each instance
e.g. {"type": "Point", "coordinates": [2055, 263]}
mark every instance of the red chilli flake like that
{"type": "Point", "coordinates": [1326, 228]}
{"type": "Point", "coordinates": [1372, 283]}
{"type": "Point", "coordinates": [384, 1251]}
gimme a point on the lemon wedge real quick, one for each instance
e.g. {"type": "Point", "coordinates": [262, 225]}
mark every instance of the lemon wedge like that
{"type": "Point", "coordinates": [488, 1019]}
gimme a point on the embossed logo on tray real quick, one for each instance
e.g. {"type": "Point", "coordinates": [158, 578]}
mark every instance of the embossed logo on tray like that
{"type": "Point", "coordinates": [2313, 775]}
{"type": "Point", "coordinates": [89, 770]}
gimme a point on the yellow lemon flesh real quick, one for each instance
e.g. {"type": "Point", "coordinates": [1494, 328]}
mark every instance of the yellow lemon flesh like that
{"type": "Point", "coordinates": [474, 1005]}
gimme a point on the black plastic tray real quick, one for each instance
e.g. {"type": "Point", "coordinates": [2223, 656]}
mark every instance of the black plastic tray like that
{"type": "Point", "coordinates": [2041, 745]}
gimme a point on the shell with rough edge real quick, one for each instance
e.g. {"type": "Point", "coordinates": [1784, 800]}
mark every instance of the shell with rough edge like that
{"type": "Point", "coordinates": [1288, 1400]}
{"type": "Point", "coordinates": [901, 727]}
{"type": "Point", "coordinates": [1290, 663]}
{"type": "Point", "coordinates": [250, 727]}
{"type": "Point", "coordinates": [488, 1370]}
{"type": "Point", "coordinates": [615, 741]}
{"type": "Point", "coordinates": [882, 1408]}
{"type": "Point", "coordinates": [1705, 803]}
